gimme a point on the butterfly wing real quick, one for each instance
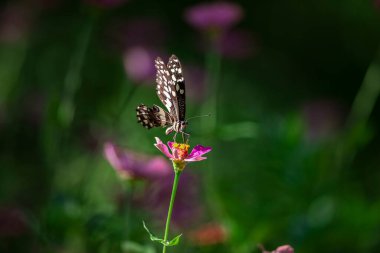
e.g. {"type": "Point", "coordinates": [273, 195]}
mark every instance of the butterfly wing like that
{"type": "Point", "coordinates": [153, 117]}
{"type": "Point", "coordinates": [171, 87]}
{"type": "Point", "coordinates": [178, 83]}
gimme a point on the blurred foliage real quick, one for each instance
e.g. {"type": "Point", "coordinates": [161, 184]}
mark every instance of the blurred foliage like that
{"type": "Point", "coordinates": [294, 126]}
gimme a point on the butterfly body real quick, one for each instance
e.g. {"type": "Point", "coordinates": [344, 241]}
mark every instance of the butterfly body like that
{"type": "Point", "coordinates": [171, 91]}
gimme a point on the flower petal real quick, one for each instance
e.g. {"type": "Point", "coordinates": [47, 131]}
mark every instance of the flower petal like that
{"type": "Point", "coordinates": [195, 159]}
{"type": "Point", "coordinates": [163, 148]}
{"type": "Point", "coordinates": [284, 249]}
{"type": "Point", "coordinates": [157, 167]}
{"type": "Point", "coordinates": [122, 162]}
{"type": "Point", "coordinates": [170, 144]}
{"type": "Point", "coordinates": [198, 151]}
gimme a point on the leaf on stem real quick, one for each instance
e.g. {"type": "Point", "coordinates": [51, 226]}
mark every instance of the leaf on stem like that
{"type": "Point", "coordinates": [153, 238]}
{"type": "Point", "coordinates": [174, 241]}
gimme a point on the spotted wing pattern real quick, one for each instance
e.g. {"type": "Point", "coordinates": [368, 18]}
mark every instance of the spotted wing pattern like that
{"type": "Point", "coordinates": [178, 82]}
{"type": "Point", "coordinates": [171, 87]}
{"type": "Point", "coordinates": [154, 116]}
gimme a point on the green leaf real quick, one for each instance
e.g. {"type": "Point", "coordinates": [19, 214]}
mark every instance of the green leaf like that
{"type": "Point", "coordinates": [170, 243]}
{"type": "Point", "coordinates": [152, 237]}
{"type": "Point", "coordinates": [174, 241]}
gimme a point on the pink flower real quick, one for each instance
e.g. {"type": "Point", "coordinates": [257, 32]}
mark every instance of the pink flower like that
{"type": "Point", "coordinates": [179, 151]}
{"type": "Point", "coordinates": [219, 15]}
{"type": "Point", "coordinates": [138, 64]}
{"type": "Point", "coordinates": [105, 3]}
{"type": "Point", "coordinates": [284, 249]}
{"type": "Point", "coordinates": [280, 249]}
{"type": "Point", "coordinates": [130, 165]}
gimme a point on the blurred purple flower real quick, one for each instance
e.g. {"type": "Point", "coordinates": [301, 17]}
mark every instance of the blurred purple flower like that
{"type": "Point", "coordinates": [280, 249]}
{"type": "Point", "coordinates": [138, 64]}
{"type": "Point", "coordinates": [12, 222]}
{"type": "Point", "coordinates": [15, 22]}
{"type": "Point", "coordinates": [187, 208]}
{"type": "Point", "coordinates": [323, 118]}
{"type": "Point", "coordinates": [284, 249]}
{"type": "Point", "coordinates": [236, 44]}
{"type": "Point", "coordinates": [214, 16]}
{"type": "Point", "coordinates": [105, 3]}
{"type": "Point", "coordinates": [130, 165]}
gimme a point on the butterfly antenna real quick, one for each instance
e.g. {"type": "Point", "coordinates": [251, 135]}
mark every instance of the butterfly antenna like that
{"type": "Point", "coordinates": [206, 115]}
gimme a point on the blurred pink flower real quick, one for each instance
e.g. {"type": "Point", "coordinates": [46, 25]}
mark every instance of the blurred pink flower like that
{"type": "Point", "coordinates": [105, 3]}
{"type": "Point", "coordinates": [138, 64]}
{"type": "Point", "coordinates": [284, 249]}
{"type": "Point", "coordinates": [280, 249]}
{"type": "Point", "coordinates": [214, 16]}
{"type": "Point", "coordinates": [179, 151]}
{"type": "Point", "coordinates": [130, 165]}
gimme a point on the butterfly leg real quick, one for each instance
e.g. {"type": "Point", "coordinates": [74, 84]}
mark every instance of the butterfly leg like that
{"type": "Point", "coordinates": [175, 136]}
{"type": "Point", "coordinates": [185, 134]}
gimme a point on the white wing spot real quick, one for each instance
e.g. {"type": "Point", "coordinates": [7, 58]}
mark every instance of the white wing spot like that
{"type": "Point", "coordinates": [168, 103]}
{"type": "Point", "coordinates": [167, 94]}
{"type": "Point", "coordinates": [182, 91]}
{"type": "Point", "coordinates": [173, 77]}
{"type": "Point", "coordinates": [177, 87]}
{"type": "Point", "coordinates": [173, 93]}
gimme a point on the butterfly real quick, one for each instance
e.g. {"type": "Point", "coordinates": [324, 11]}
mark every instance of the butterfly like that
{"type": "Point", "coordinates": [171, 91]}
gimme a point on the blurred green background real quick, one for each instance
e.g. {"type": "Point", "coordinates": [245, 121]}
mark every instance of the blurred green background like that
{"type": "Point", "coordinates": [292, 87]}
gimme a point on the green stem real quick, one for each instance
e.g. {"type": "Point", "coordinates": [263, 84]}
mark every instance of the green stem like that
{"type": "Point", "coordinates": [174, 191]}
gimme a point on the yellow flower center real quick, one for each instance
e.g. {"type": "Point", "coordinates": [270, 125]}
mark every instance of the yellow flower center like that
{"type": "Point", "coordinates": [182, 150]}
